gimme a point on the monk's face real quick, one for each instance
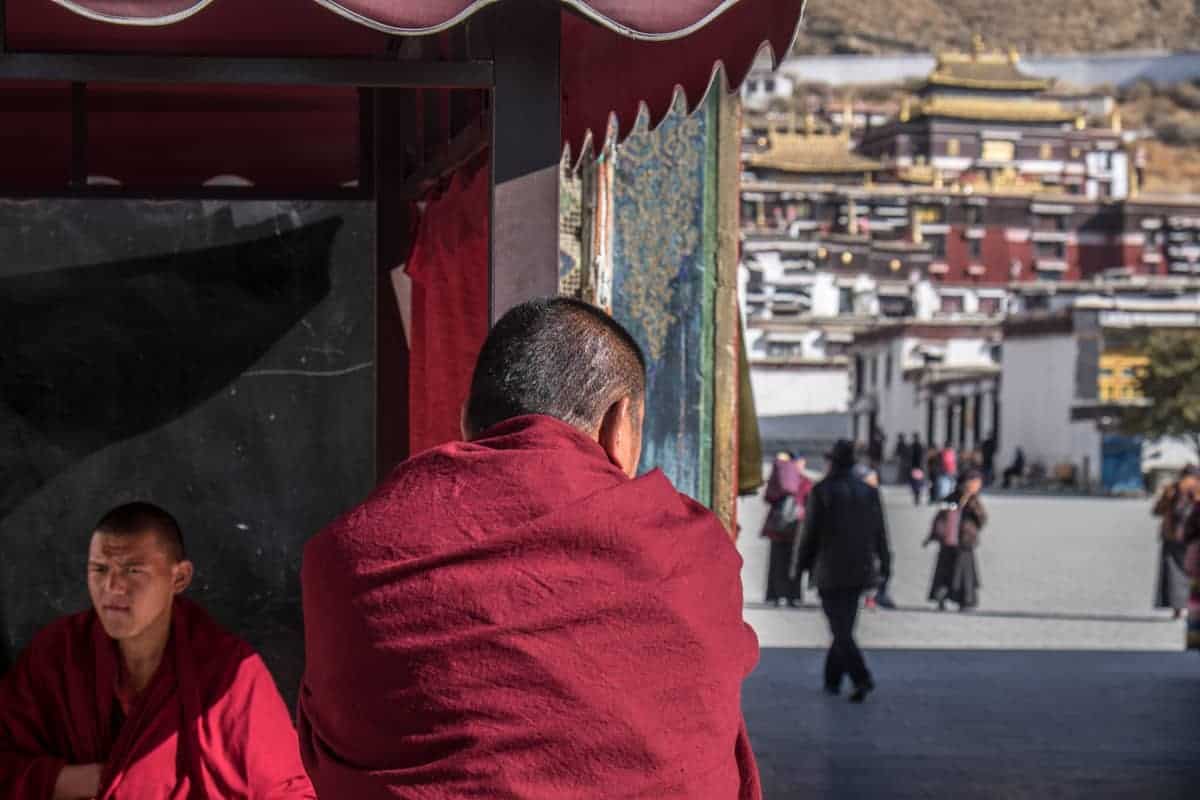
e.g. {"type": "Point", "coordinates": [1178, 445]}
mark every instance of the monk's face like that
{"type": "Point", "coordinates": [133, 580]}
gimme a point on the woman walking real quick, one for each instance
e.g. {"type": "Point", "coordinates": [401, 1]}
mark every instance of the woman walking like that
{"type": "Point", "coordinates": [1175, 506]}
{"type": "Point", "coordinates": [957, 529]}
{"type": "Point", "coordinates": [787, 494]}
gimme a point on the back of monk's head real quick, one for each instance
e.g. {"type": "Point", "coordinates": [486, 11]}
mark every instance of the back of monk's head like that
{"type": "Point", "coordinates": [134, 519]}
{"type": "Point", "coordinates": [558, 357]}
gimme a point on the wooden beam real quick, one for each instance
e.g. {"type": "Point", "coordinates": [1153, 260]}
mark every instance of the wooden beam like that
{"type": "Point", "coordinates": [526, 149]}
{"type": "Point", "coordinates": [362, 72]}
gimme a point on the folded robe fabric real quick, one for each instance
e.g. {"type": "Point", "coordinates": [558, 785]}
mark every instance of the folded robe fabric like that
{"type": "Point", "coordinates": [210, 725]}
{"type": "Point", "coordinates": [515, 618]}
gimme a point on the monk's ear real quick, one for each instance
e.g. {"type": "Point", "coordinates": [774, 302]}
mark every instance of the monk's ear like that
{"type": "Point", "coordinates": [181, 576]}
{"type": "Point", "coordinates": [620, 434]}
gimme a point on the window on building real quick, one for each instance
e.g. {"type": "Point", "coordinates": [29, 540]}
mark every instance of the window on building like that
{"type": "Point", "coordinates": [770, 84]}
{"type": "Point", "coordinates": [874, 371]}
{"type": "Point", "coordinates": [989, 305]}
{"type": "Point", "coordinates": [975, 247]}
{"type": "Point", "coordinates": [930, 215]}
{"type": "Point", "coordinates": [1154, 241]}
{"type": "Point", "coordinates": [749, 213]}
{"type": "Point", "coordinates": [974, 215]}
{"type": "Point", "coordinates": [1055, 223]}
{"type": "Point", "coordinates": [953, 147]}
{"type": "Point", "coordinates": [937, 245]}
{"type": "Point", "coordinates": [1046, 151]}
{"type": "Point", "coordinates": [952, 304]}
{"type": "Point", "coordinates": [887, 369]}
{"type": "Point", "coordinates": [1054, 250]}
{"type": "Point", "coordinates": [845, 300]}
{"type": "Point", "coordinates": [998, 150]}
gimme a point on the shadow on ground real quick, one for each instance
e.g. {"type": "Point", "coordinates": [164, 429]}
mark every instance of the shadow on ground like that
{"type": "Point", "coordinates": [1162, 618]}
{"type": "Point", "coordinates": [998, 725]}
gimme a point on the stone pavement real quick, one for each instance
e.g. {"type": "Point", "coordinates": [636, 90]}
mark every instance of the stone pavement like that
{"type": "Point", "coordinates": [981, 725]}
{"type": "Point", "coordinates": [1066, 684]}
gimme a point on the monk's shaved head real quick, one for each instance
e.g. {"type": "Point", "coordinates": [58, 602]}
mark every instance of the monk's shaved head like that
{"type": "Point", "coordinates": [559, 357]}
{"type": "Point", "coordinates": [134, 519]}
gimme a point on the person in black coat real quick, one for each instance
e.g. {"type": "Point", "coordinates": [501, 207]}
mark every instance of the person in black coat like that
{"type": "Point", "coordinates": [845, 550]}
{"type": "Point", "coordinates": [914, 470]}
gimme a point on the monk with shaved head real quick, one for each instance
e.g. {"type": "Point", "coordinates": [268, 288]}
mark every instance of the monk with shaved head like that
{"type": "Point", "coordinates": [143, 695]}
{"type": "Point", "coordinates": [516, 615]}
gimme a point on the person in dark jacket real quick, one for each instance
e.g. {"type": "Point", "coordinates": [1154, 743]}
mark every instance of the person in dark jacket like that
{"type": "Point", "coordinates": [957, 529]}
{"type": "Point", "coordinates": [915, 469]}
{"type": "Point", "coordinates": [845, 550]}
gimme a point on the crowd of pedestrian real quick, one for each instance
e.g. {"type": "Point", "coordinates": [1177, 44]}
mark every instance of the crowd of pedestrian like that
{"type": "Point", "coordinates": [835, 533]}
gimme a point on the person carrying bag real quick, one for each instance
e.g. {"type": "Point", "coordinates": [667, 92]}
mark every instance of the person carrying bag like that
{"type": "Point", "coordinates": [787, 495]}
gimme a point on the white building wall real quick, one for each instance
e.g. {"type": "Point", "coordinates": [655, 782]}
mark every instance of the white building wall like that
{"type": "Point", "coordinates": [825, 295]}
{"type": "Point", "coordinates": [1037, 389]}
{"type": "Point", "coordinates": [970, 353]}
{"type": "Point", "coordinates": [784, 391]}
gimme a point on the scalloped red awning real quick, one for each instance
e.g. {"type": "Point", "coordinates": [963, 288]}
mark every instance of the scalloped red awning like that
{"type": "Point", "coordinates": [615, 54]}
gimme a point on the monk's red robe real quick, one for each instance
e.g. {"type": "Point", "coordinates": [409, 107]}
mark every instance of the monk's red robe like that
{"type": "Point", "coordinates": [515, 618]}
{"type": "Point", "coordinates": [210, 725]}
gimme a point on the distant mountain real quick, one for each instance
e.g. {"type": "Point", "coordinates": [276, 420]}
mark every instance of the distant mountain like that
{"type": "Point", "coordinates": [1032, 26]}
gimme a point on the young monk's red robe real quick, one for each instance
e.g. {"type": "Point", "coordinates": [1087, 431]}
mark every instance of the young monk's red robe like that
{"type": "Point", "coordinates": [515, 618]}
{"type": "Point", "coordinates": [210, 725]}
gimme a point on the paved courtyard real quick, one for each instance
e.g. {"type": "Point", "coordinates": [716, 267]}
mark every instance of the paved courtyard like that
{"type": "Point", "coordinates": [1066, 683]}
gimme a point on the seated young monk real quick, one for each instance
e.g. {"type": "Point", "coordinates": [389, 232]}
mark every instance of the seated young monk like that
{"type": "Point", "coordinates": [516, 615]}
{"type": "Point", "coordinates": [143, 696]}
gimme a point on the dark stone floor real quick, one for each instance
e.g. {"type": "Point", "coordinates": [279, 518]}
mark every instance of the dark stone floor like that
{"type": "Point", "coordinates": [968, 725]}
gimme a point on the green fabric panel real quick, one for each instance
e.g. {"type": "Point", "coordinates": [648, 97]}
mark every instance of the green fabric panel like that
{"type": "Point", "coordinates": [750, 454]}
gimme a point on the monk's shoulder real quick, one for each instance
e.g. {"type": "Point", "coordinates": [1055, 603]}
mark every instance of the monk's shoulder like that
{"type": "Point", "coordinates": [215, 649]}
{"type": "Point", "coordinates": [65, 639]}
{"type": "Point", "coordinates": [652, 500]}
{"type": "Point", "coordinates": [412, 490]}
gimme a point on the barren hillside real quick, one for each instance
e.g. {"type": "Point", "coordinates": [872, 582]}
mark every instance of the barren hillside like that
{"type": "Point", "coordinates": [1033, 26]}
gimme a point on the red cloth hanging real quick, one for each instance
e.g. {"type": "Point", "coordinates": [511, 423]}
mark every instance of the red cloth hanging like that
{"type": "Point", "coordinates": [448, 267]}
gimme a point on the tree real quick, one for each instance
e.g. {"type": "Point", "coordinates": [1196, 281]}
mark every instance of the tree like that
{"type": "Point", "coordinates": [1171, 384]}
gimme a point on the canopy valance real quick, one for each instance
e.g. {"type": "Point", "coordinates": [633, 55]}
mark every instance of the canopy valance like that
{"type": "Point", "coordinates": [615, 54]}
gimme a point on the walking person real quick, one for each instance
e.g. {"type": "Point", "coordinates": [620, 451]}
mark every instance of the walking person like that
{"type": "Point", "coordinates": [1175, 508]}
{"type": "Point", "coordinates": [915, 469]}
{"type": "Point", "coordinates": [875, 448]}
{"type": "Point", "coordinates": [957, 529]}
{"type": "Point", "coordinates": [988, 451]}
{"type": "Point", "coordinates": [1191, 563]}
{"type": "Point", "coordinates": [903, 456]}
{"type": "Point", "coordinates": [787, 495]}
{"type": "Point", "coordinates": [845, 548]}
{"type": "Point", "coordinates": [948, 472]}
{"type": "Point", "coordinates": [933, 471]}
